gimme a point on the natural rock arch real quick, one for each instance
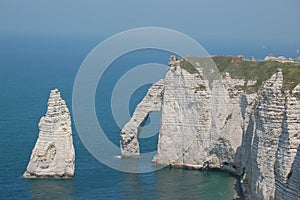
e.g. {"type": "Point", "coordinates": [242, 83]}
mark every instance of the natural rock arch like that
{"type": "Point", "coordinates": [129, 135]}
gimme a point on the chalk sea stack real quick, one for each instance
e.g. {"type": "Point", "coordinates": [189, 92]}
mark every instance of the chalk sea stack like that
{"type": "Point", "coordinates": [53, 155]}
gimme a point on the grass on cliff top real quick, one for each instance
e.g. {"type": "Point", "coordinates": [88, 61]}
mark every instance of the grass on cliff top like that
{"type": "Point", "coordinates": [184, 64]}
{"type": "Point", "coordinates": [260, 71]}
{"type": "Point", "coordinates": [239, 68]}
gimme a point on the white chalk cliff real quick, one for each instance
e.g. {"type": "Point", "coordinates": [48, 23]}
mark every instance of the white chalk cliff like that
{"type": "Point", "coordinates": [53, 154]}
{"type": "Point", "coordinates": [255, 135]}
{"type": "Point", "coordinates": [271, 172]}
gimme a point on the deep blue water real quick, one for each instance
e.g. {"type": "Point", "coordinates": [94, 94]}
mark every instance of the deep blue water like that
{"type": "Point", "coordinates": [29, 69]}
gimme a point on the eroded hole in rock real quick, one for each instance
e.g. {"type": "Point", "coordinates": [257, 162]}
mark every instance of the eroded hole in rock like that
{"type": "Point", "coordinates": [225, 163]}
{"type": "Point", "coordinates": [289, 174]}
{"type": "Point", "coordinates": [147, 136]}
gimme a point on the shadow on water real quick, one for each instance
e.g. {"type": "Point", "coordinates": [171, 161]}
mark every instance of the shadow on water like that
{"type": "Point", "coordinates": [197, 184]}
{"type": "Point", "coordinates": [172, 183]}
{"type": "Point", "coordinates": [51, 188]}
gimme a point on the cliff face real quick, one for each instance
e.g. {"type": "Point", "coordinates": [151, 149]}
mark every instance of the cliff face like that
{"type": "Point", "coordinates": [53, 154]}
{"type": "Point", "coordinates": [287, 160]}
{"type": "Point", "coordinates": [269, 112]}
{"type": "Point", "coordinates": [252, 134]}
{"type": "Point", "coordinates": [184, 116]}
{"type": "Point", "coordinates": [275, 142]}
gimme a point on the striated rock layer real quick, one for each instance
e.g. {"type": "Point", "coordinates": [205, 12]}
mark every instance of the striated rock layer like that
{"type": "Point", "coordinates": [53, 154]}
{"type": "Point", "coordinates": [255, 135]}
{"type": "Point", "coordinates": [276, 138]}
{"type": "Point", "coordinates": [184, 116]}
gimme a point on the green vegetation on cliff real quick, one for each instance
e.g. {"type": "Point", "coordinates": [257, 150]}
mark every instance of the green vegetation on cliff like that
{"type": "Point", "coordinates": [258, 70]}
{"type": "Point", "coordinates": [184, 64]}
{"type": "Point", "coordinates": [238, 68]}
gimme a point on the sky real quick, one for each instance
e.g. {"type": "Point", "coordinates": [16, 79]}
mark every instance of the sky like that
{"type": "Point", "coordinates": [209, 19]}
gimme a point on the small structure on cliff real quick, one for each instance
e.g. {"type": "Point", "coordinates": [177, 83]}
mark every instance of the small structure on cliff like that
{"type": "Point", "coordinates": [281, 59]}
{"type": "Point", "coordinates": [53, 154]}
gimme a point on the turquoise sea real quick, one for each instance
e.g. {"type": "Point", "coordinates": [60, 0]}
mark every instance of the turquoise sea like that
{"type": "Point", "coordinates": [29, 68]}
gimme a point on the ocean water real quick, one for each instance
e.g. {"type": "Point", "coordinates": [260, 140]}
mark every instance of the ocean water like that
{"type": "Point", "coordinates": [29, 68]}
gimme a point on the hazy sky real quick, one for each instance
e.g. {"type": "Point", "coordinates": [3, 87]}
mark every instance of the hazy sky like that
{"type": "Point", "coordinates": [211, 19]}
